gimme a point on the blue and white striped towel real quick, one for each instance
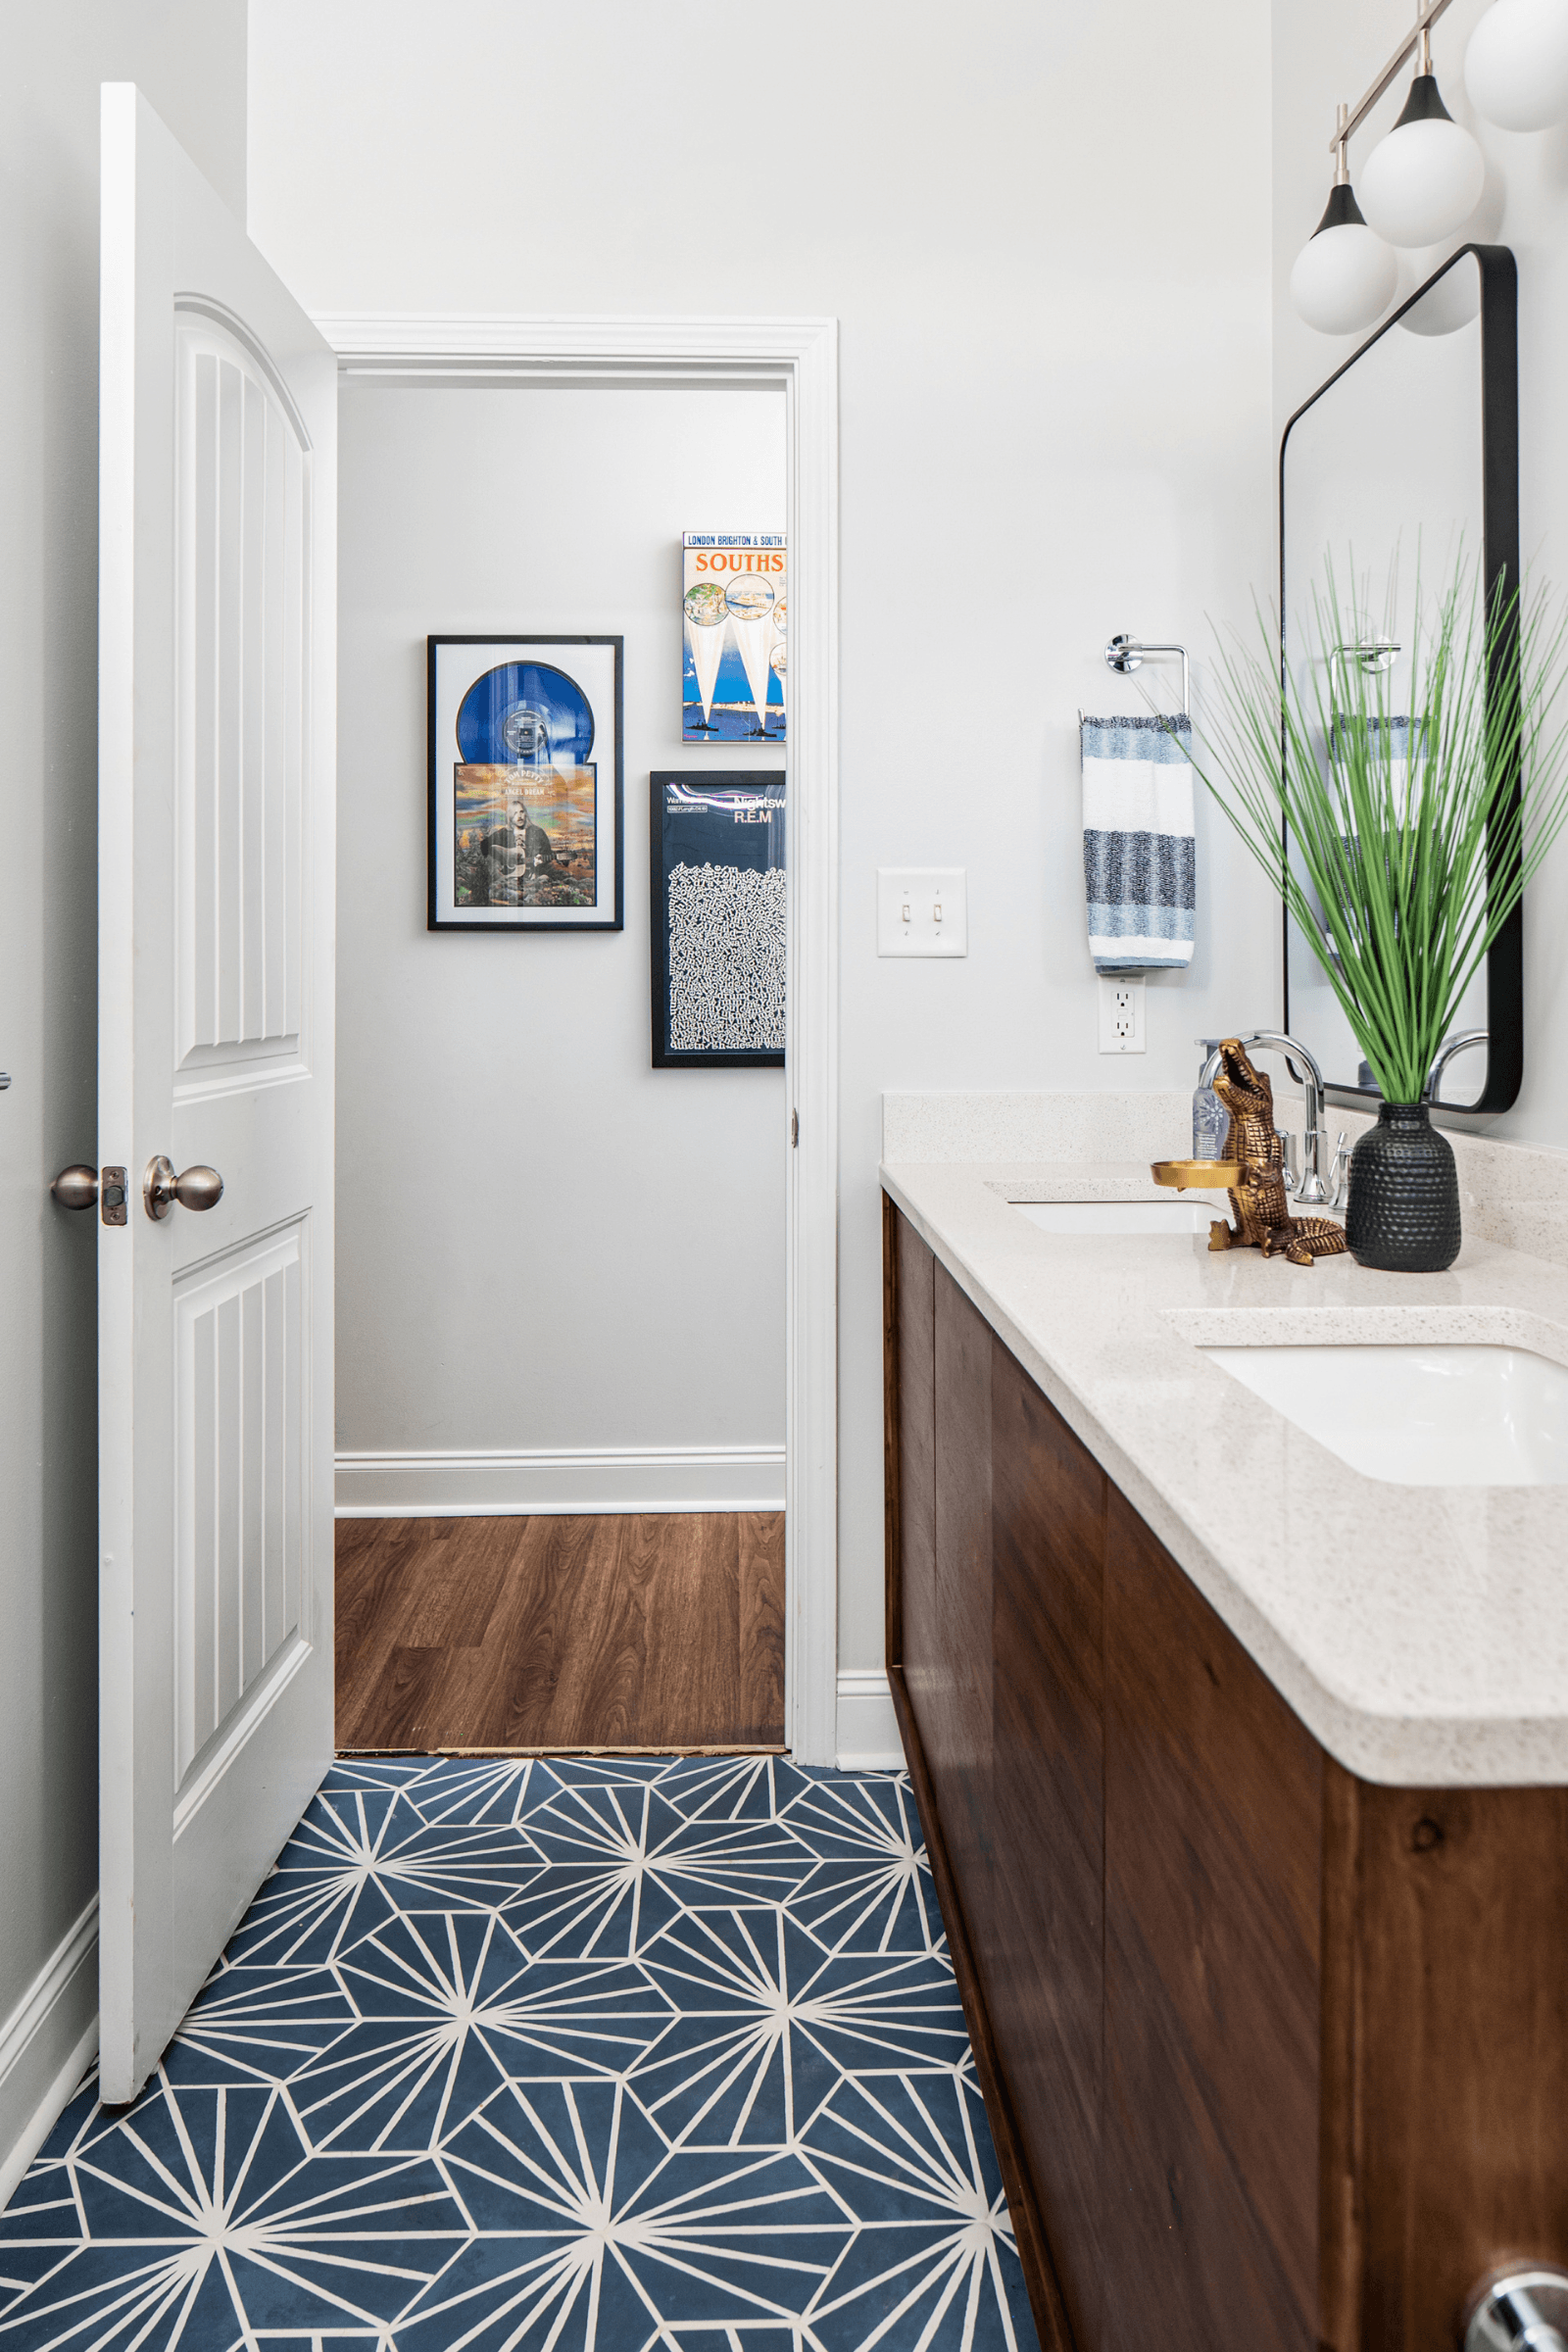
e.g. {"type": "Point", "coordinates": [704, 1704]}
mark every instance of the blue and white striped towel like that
{"type": "Point", "coordinates": [1397, 729]}
{"type": "Point", "coordinates": [1139, 854]}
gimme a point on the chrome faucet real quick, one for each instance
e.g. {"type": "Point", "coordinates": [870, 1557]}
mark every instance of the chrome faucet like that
{"type": "Point", "coordinates": [1446, 1052]}
{"type": "Point", "coordinates": [1311, 1190]}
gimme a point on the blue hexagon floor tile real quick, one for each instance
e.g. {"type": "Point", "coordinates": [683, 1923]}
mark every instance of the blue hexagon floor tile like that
{"type": "Point", "coordinates": [549, 2056]}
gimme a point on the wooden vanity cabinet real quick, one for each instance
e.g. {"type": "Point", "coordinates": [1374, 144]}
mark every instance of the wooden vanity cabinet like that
{"type": "Point", "coordinates": [1273, 2057]}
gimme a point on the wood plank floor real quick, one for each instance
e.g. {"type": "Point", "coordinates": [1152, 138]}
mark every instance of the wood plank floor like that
{"type": "Point", "coordinates": [664, 1631]}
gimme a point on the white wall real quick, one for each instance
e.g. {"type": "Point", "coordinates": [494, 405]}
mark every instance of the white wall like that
{"type": "Point", "coordinates": [544, 1243]}
{"type": "Point", "coordinates": [1332, 52]}
{"type": "Point", "coordinates": [1045, 227]}
{"type": "Point", "coordinates": [189, 57]}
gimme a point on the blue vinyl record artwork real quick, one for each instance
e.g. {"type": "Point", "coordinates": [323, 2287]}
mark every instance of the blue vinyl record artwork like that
{"type": "Point", "coordinates": [527, 777]}
{"type": "Point", "coordinates": [525, 710]}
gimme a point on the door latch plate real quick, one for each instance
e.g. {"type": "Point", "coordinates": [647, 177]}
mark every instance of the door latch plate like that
{"type": "Point", "coordinates": [112, 1196]}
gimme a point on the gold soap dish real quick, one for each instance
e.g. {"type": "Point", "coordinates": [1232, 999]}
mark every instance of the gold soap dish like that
{"type": "Point", "coordinates": [1202, 1175]}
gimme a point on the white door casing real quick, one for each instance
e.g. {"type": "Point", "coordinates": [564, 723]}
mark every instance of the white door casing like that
{"type": "Point", "coordinates": [217, 723]}
{"type": "Point", "coordinates": [802, 355]}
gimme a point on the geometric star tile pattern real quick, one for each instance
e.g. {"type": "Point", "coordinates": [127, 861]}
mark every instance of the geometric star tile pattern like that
{"type": "Point", "coordinates": [586, 2055]}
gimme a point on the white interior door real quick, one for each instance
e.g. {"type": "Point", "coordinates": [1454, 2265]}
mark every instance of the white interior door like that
{"type": "Point", "coordinates": [214, 974]}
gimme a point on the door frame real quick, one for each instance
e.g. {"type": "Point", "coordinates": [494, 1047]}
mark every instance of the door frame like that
{"type": "Point", "coordinates": [801, 355]}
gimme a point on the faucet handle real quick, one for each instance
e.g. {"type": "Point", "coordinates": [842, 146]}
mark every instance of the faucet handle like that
{"type": "Point", "coordinates": [1340, 1171]}
{"type": "Point", "coordinates": [1290, 1159]}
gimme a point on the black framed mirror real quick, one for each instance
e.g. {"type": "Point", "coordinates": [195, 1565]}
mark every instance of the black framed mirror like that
{"type": "Point", "coordinates": [1412, 443]}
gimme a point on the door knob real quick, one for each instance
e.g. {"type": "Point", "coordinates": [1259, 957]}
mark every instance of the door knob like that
{"type": "Point", "coordinates": [79, 1186]}
{"type": "Point", "coordinates": [76, 1186]}
{"type": "Point", "coordinates": [1524, 2308]}
{"type": "Point", "coordinates": [198, 1188]}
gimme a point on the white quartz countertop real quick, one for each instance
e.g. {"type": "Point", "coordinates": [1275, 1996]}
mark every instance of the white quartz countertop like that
{"type": "Point", "coordinates": [1421, 1632]}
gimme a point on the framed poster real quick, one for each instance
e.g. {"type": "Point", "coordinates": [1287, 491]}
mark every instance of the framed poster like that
{"type": "Point", "coordinates": [525, 784]}
{"type": "Point", "coordinates": [735, 626]}
{"type": "Point", "coordinates": [717, 906]}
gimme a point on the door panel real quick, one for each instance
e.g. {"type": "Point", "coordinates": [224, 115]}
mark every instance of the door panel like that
{"type": "Point", "coordinates": [217, 721]}
{"type": "Point", "coordinates": [1047, 1986]}
{"type": "Point", "coordinates": [1213, 1844]}
{"type": "Point", "coordinates": [915, 1275]}
{"type": "Point", "coordinates": [954, 1711]}
{"type": "Point", "coordinates": [244, 542]}
{"type": "Point", "coordinates": [239, 1410]}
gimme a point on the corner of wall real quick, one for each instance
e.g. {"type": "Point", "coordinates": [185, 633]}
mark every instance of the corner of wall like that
{"type": "Point", "coordinates": [868, 1739]}
{"type": "Point", "coordinates": [46, 2045]}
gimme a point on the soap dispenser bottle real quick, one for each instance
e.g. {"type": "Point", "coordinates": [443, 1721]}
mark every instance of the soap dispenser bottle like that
{"type": "Point", "coordinates": [1211, 1121]}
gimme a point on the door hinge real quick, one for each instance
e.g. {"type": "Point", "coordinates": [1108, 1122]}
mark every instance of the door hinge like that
{"type": "Point", "coordinates": [795, 1129]}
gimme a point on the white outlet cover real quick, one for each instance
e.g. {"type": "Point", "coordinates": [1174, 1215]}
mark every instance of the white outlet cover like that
{"type": "Point", "coordinates": [1121, 1014]}
{"type": "Point", "coordinates": [923, 910]}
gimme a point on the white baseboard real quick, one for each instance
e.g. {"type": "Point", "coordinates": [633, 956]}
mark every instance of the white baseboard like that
{"type": "Point", "coordinates": [867, 1728]}
{"type": "Point", "coordinates": [576, 1479]}
{"type": "Point", "coordinates": [46, 2047]}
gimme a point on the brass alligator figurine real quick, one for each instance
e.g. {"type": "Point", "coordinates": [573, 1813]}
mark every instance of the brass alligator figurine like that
{"type": "Point", "coordinates": [1260, 1204]}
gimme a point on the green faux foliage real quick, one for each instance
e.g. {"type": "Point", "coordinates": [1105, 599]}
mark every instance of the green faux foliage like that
{"type": "Point", "coordinates": [1401, 871]}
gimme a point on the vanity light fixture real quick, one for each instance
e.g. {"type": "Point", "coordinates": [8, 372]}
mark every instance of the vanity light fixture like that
{"type": "Point", "coordinates": [1450, 302]}
{"type": "Point", "coordinates": [1516, 66]}
{"type": "Point", "coordinates": [1344, 274]}
{"type": "Point", "coordinates": [1424, 179]}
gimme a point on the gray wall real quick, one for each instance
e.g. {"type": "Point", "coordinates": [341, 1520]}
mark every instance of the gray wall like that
{"type": "Point", "coordinates": [189, 57]}
{"type": "Point", "coordinates": [1331, 51]}
{"type": "Point", "coordinates": [1045, 228]}
{"type": "Point", "coordinates": [543, 1241]}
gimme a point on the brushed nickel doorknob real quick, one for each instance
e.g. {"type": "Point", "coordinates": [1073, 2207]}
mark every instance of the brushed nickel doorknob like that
{"type": "Point", "coordinates": [76, 1187]}
{"type": "Point", "coordinates": [1523, 2309]}
{"type": "Point", "coordinates": [198, 1188]}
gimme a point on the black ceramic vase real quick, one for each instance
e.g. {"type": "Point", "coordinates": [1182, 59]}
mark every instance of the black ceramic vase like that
{"type": "Point", "coordinates": [1403, 1211]}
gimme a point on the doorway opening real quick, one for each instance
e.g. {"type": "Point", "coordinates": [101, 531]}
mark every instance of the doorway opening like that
{"type": "Point", "coordinates": [627, 1632]}
{"type": "Point", "coordinates": [568, 1362]}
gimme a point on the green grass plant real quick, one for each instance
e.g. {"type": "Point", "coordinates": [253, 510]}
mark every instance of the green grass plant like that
{"type": "Point", "coordinates": [1398, 871]}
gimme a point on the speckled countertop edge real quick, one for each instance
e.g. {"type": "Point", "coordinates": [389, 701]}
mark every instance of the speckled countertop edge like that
{"type": "Point", "coordinates": [1420, 1633]}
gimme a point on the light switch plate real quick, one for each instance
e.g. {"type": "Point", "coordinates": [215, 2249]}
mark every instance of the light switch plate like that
{"type": "Point", "coordinates": [1121, 1016]}
{"type": "Point", "coordinates": [923, 910]}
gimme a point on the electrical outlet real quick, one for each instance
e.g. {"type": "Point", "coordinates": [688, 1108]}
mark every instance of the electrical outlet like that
{"type": "Point", "coordinates": [921, 910]}
{"type": "Point", "coordinates": [1121, 1016]}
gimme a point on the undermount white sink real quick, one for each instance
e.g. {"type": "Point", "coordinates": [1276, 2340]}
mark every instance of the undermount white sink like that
{"type": "Point", "coordinates": [1118, 1217]}
{"type": "Point", "coordinates": [1432, 1415]}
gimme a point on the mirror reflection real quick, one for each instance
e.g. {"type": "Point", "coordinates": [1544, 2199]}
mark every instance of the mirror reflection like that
{"type": "Point", "coordinates": [1382, 484]}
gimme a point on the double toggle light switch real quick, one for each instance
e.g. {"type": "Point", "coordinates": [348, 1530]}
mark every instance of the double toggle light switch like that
{"type": "Point", "coordinates": [921, 910]}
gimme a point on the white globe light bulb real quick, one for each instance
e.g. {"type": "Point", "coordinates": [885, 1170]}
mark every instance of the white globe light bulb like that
{"type": "Point", "coordinates": [1424, 180]}
{"type": "Point", "coordinates": [1451, 303]}
{"type": "Point", "coordinates": [1516, 66]}
{"type": "Point", "coordinates": [1344, 274]}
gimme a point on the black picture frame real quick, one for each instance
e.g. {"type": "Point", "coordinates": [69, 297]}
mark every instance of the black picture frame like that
{"type": "Point", "coordinates": [608, 914]}
{"type": "Point", "coordinates": [729, 789]}
{"type": "Point", "coordinates": [1500, 507]}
